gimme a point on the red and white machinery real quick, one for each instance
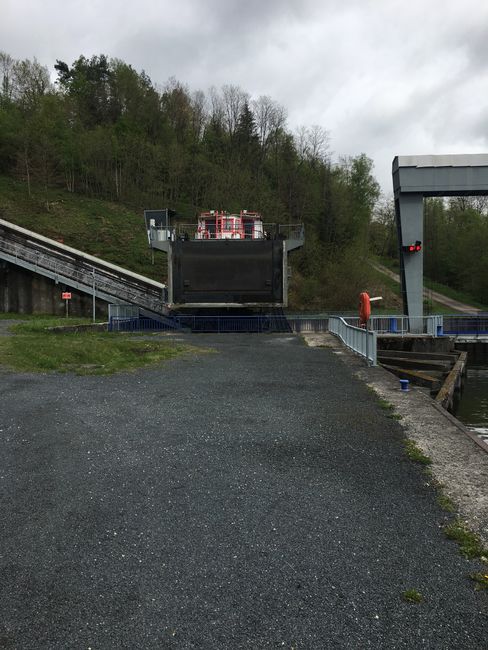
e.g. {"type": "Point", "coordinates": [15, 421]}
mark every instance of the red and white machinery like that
{"type": "Point", "coordinates": [223, 225]}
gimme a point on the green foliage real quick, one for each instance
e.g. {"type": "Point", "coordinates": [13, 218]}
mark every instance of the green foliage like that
{"type": "Point", "coordinates": [106, 133]}
{"type": "Point", "coordinates": [101, 228]}
{"type": "Point", "coordinates": [415, 453]}
{"type": "Point", "coordinates": [445, 502]}
{"type": "Point", "coordinates": [481, 580]}
{"type": "Point", "coordinates": [469, 543]}
{"type": "Point", "coordinates": [455, 245]}
{"type": "Point", "coordinates": [33, 348]}
{"type": "Point", "coordinates": [412, 596]}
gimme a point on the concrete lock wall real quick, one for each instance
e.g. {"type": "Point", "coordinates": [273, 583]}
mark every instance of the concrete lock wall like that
{"type": "Point", "coordinates": [24, 292]}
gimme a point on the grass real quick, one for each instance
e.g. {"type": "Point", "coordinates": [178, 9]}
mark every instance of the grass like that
{"type": "Point", "coordinates": [385, 405]}
{"type": "Point", "coordinates": [394, 296]}
{"type": "Point", "coordinates": [481, 580]}
{"type": "Point", "coordinates": [412, 596]}
{"type": "Point", "coordinates": [445, 502]}
{"type": "Point", "coordinates": [469, 543]}
{"type": "Point", "coordinates": [445, 290]}
{"type": "Point", "coordinates": [104, 229]}
{"type": "Point", "coordinates": [454, 293]}
{"type": "Point", "coordinates": [33, 348]}
{"type": "Point", "coordinates": [415, 453]}
{"type": "Point", "coordinates": [8, 315]}
{"type": "Point", "coordinates": [389, 408]}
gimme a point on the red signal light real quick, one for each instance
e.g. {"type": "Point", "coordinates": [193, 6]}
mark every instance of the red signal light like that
{"type": "Point", "coordinates": [412, 248]}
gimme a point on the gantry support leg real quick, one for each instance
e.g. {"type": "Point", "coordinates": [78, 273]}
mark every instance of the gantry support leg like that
{"type": "Point", "coordinates": [409, 217]}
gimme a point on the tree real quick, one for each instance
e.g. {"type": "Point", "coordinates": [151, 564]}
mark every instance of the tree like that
{"type": "Point", "coordinates": [7, 73]}
{"type": "Point", "coordinates": [312, 143]}
{"type": "Point", "coordinates": [88, 84]}
{"type": "Point", "coordinates": [30, 83]}
{"type": "Point", "coordinates": [233, 102]}
{"type": "Point", "coordinates": [269, 117]}
{"type": "Point", "coordinates": [246, 138]}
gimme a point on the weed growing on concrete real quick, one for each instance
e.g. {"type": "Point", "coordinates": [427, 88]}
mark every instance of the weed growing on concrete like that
{"type": "Point", "coordinates": [469, 543]}
{"type": "Point", "coordinates": [481, 580]}
{"type": "Point", "coordinates": [445, 502]}
{"type": "Point", "coordinates": [389, 408]}
{"type": "Point", "coordinates": [412, 596]}
{"type": "Point", "coordinates": [415, 453]}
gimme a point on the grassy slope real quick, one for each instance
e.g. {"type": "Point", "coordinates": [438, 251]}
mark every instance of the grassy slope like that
{"type": "Point", "coordinates": [117, 234]}
{"type": "Point", "coordinates": [437, 286]}
{"type": "Point", "coordinates": [390, 289]}
{"type": "Point", "coordinates": [107, 230]}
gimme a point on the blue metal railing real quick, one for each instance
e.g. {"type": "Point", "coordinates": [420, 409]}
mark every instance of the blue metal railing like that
{"type": "Point", "coordinates": [139, 325]}
{"type": "Point", "coordinates": [229, 324]}
{"type": "Point", "coordinates": [467, 324]}
{"type": "Point", "coordinates": [203, 324]}
{"type": "Point", "coordinates": [454, 325]}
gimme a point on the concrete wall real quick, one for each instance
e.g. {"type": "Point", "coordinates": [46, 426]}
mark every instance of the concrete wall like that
{"type": "Point", "coordinates": [24, 292]}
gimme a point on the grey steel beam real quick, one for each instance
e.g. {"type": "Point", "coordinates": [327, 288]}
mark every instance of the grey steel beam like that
{"type": "Point", "coordinates": [415, 177]}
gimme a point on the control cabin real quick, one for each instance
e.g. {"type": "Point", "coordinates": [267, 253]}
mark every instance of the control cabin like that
{"type": "Point", "coordinates": [222, 225]}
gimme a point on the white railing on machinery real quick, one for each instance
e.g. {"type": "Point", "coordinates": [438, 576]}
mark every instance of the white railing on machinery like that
{"type": "Point", "coordinates": [358, 339]}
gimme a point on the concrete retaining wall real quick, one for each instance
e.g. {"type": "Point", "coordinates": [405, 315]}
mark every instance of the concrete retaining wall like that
{"type": "Point", "coordinates": [24, 292]}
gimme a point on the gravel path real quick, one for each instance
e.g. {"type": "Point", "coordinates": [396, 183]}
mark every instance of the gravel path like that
{"type": "Point", "coordinates": [430, 294]}
{"type": "Point", "coordinates": [256, 497]}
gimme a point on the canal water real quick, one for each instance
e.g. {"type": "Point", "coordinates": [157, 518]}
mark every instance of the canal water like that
{"type": "Point", "coordinates": [472, 408]}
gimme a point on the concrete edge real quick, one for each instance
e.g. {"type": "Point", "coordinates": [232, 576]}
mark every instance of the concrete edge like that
{"type": "Point", "coordinates": [459, 457]}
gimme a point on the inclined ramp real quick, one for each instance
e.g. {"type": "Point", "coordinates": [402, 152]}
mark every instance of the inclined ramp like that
{"type": "Point", "coordinates": [79, 270]}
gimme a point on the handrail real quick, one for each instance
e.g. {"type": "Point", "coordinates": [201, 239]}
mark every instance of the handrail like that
{"type": "Point", "coordinates": [70, 265]}
{"type": "Point", "coordinates": [361, 341]}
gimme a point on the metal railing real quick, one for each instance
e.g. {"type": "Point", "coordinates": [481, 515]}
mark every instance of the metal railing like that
{"type": "Point", "coordinates": [70, 268]}
{"type": "Point", "coordinates": [401, 325]}
{"type": "Point", "coordinates": [361, 341]}
{"type": "Point", "coordinates": [190, 231]}
{"type": "Point", "coordinates": [139, 324]}
{"type": "Point", "coordinates": [131, 322]}
{"type": "Point", "coordinates": [467, 324]}
{"type": "Point", "coordinates": [228, 324]}
{"type": "Point", "coordinates": [306, 324]}
{"type": "Point", "coordinates": [397, 325]}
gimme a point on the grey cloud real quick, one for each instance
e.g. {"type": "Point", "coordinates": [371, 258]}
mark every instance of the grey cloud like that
{"type": "Point", "coordinates": [384, 77]}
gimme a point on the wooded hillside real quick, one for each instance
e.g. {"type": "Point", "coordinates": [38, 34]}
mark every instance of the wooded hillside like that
{"type": "Point", "coordinates": [108, 132]}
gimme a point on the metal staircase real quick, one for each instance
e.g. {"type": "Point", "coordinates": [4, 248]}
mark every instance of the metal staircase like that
{"type": "Point", "coordinates": [72, 267]}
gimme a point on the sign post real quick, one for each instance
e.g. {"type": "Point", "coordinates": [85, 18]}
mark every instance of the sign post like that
{"type": "Point", "coordinates": [66, 296]}
{"type": "Point", "coordinates": [93, 297]}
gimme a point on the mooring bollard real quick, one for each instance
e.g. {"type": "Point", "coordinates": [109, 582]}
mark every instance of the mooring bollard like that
{"type": "Point", "coordinates": [404, 385]}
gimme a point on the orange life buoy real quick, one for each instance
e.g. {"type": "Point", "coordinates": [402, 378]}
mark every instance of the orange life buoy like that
{"type": "Point", "coordinates": [364, 308]}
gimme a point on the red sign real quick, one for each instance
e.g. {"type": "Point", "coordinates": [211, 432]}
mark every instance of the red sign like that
{"type": "Point", "coordinates": [66, 295]}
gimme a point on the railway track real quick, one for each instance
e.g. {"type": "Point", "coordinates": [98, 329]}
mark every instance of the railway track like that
{"type": "Point", "coordinates": [78, 269]}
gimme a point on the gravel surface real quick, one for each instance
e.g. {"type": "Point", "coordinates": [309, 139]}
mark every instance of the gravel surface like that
{"type": "Point", "coordinates": [257, 497]}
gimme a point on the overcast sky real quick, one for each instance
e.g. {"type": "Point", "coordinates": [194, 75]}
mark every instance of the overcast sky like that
{"type": "Point", "coordinates": [384, 77]}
